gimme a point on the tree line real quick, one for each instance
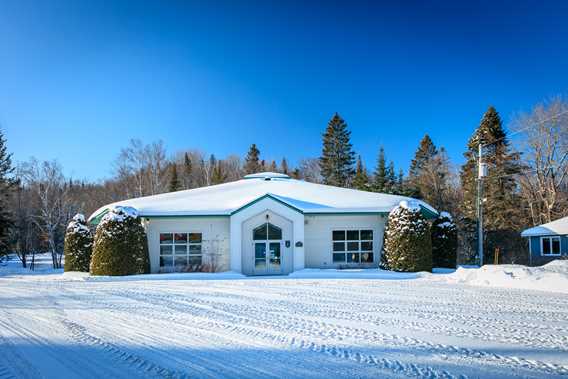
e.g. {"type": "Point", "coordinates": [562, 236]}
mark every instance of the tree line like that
{"type": "Point", "coordinates": [527, 182]}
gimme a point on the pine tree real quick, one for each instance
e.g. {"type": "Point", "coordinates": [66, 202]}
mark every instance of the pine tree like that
{"type": "Point", "coordinates": [391, 180]}
{"type": "Point", "coordinates": [219, 175]}
{"type": "Point", "coordinates": [273, 167]}
{"type": "Point", "coordinates": [501, 207]}
{"type": "Point", "coordinates": [252, 160]}
{"type": "Point", "coordinates": [425, 152]}
{"type": "Point", "coordinates": [78, 245]}
{"type": "Point", "coordinates": [380, 177]}
{"type": "Point", "coordinates": [187, 169]}
{"type": "Point", "coordinates": [444, 241]}
{"type": "Point", "coordinates": [174, 184]}
{"type": "Point", "coordinates": [284, 166]}
{"type": "Point", "coordinates": [400, 189]}
{"type": "Point", "coordinates": [501, 210]}
{"type": "Point", "coordinates": [121, 246]}
{"type": "Point", "coordinates": [361, 179]}
{"type": "Point", "coordinates": [337, 157]}
{"type": "Point", "coordinates": [6, 187]}
{"type": "Point", "coordinates": [407, 242]}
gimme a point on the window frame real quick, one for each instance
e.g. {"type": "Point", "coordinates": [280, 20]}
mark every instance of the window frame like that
{"type": "Point", "coordinates": [346, 252]}
{"type": "Point", "coordinates": [188, 252]}
{"type": "Point", "coordinates": [550, 239]}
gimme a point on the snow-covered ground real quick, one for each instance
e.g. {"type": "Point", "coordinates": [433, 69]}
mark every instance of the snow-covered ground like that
{"type": "Point", "coordinates": [314, 324]}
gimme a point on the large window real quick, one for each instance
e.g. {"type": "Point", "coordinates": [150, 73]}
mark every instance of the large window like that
{"type": "Point", "coordinates": [352, 246]}
{"type": "Point", "coordinates": [550, 245]}
{"type": "Point", "coordinates": [180, 251]}
{"type": "Point", "coordinates": [267, 231]}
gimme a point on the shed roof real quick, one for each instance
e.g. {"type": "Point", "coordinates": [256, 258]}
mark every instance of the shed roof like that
{"type": "Point", "coordinates": [228, 198]}
{"type": "Point", "coordinates": [557, 227]}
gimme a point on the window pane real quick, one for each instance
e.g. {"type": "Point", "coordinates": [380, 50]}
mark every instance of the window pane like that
{"type": "Point", "coordinates": [274, 254]}
{"type": "Point", "coordinates": [194, 249]}
{"type": "Point", "coordinates": [181, 262]}
{"type": "Point", "coordinates": [366, 257]}
{"type": "Point", "coordinates": [352, 235]}
{"type": "Point", "coordinates": [166, 238]}
{"type": "Point", "coordinates": [195, 237]}
{"type": "Point", "coordinates": [259, 233]}
{"type": "Point", "coordinates": [338, 257]}
{"type": "Point", "coordinates": [353, 257]}
{"type": "Point", "coordinates": [367, 246]}
{"type": "Point", "coordinates": [195, 261]}
{"type": "Point", "coordinates": [181, 250]}
{"type": "Point", "coordinates": [339, 246]}
{"type": "Point", "coordinates": [260, 251]}
{"type": "Point", "coordinates": [339, 235]}
{"type": "Point", "coordinates": [546, 245]}
{"type": "Point", "coordinates": [166, 250]}
{"type": "Point", "coordinates": [166, 261]}
{"type": "Point", "coordinates": [274, 232]}
{"type": "Point", "coordinates": [352, 246]}
{"type": "Point", "coordinates": [556, 246]}
{"type": "Point", "coordinates": [180, 238]}
{"type": "Point", "coordinates": [366, 234]}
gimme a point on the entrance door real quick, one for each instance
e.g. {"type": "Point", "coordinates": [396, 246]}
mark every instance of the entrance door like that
{"type": "Point", "coordinates": [267, 240]}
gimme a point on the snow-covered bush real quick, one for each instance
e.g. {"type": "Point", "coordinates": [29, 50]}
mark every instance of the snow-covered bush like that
{"type": "Point", "coordinates": [121, 246]}
{"type": "Point", "coordinates": [444, 241]}
{"type": "Point", "coordinates": [407, 243]}
{"type": "Point", "coordinates": [78, 245]}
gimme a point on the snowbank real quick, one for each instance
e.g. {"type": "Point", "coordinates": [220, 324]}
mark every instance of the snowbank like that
{"type": "Point", "coordinates": [311, 273]}
{"type": "Point", "coordinates": [552, 277]}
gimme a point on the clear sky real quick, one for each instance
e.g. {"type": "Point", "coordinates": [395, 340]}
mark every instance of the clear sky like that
{"type": "Point", "coordinates": [78, 79]}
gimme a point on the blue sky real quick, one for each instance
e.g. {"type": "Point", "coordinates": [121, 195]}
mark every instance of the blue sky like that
{"type": "Point", "coordinates": [78, 79]}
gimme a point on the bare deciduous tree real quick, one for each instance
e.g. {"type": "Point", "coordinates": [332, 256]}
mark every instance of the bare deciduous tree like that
{"type": "Point", "coordinates": [545, 152]}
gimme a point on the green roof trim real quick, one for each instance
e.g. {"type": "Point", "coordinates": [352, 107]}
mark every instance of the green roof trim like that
{"type": "Point", "coordinates": [97, 219]}
{"type": "Point", "coordinates": [264, 197]}
{"type": "Point", "coordinates": [429, 214]}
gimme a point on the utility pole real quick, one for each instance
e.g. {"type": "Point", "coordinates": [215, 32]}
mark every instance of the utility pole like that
{"type": "Point", "coordinates": [481, 172]}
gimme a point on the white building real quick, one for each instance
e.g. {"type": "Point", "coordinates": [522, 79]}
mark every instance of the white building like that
{"type": "Point", "coordinates": [264, 224]}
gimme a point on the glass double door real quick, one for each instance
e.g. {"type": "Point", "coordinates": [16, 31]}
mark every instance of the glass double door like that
{"type": "Point", "coordinates": [268, 257]}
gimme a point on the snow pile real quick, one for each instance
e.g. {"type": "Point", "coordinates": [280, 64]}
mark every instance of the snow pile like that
{"type": "Point", "coordinates": [119, 213]}
{"type": "Point", "coordinates": [552, 277]}
{"type": "Point", "coordinates": [411, 205]}
{"type": "Point", "coordinates": [78, 225]}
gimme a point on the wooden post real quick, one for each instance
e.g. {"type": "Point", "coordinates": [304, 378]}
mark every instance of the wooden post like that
{"type": "Point", "coordinates": [496, 259]}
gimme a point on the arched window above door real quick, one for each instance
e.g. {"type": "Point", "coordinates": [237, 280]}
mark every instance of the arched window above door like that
{"type": "Point", "coordinates": [267, 232]}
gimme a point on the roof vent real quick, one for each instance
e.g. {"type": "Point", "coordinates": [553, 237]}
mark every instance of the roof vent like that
{"type": "Point", "coordinates": [267, 176]}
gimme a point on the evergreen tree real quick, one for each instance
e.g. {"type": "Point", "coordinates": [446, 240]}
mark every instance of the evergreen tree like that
{"type": "Point", "coordinates": [78, 245]}
{"type": "Point", "coordinates": [284, 166]}
{"type": "Point", "coordinates": [252, 160]}
{"type": "Point", "coordinates": [407, 241]}
{"type": "Point", "coordinates": [424, 154]}
{"type": "Point", "coordinates": [273, 167]}
{"type": "Point", "coordinates": [219, 175]}
{"type": "Point", "coordinates": [361, 180]}
{"type": "Point", "coordinates": [380, 177]}
{"type": "Point", "coordinates": [400, 189]}
{"type": "Point", "coordinates": [174, 184]}
{"type": "Point", "coordinates": [6, 186]}
{"type": "Point", "coordinates": [337, 157]}
{"type": "Point", "coordinates": [391, 180]}
{"type": "Point", "coordinates": [121, 246]}
{"type": "Point", "coordinates": [501, 207]}
{"type": "Point", "coordinates": [187, 169]}
{"type": "Point", "coordinates": [444, 241]}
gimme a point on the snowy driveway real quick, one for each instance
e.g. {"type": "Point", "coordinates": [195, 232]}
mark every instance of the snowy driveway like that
{"type": "Point", "coordinates": [308, 328]}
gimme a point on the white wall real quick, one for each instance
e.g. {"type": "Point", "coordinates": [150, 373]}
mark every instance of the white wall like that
{"type": "Point", "coordinates": [318, 231]}
{"type": "Point", "coordinates": [215, 236]}
{"type": "Point", "coordinates": [266, 204]}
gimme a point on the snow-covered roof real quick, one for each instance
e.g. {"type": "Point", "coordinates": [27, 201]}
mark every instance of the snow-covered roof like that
{"type": "Point", "coordinates": [228, 198]}
{"type": "Point", "coordinates": [559, 226]}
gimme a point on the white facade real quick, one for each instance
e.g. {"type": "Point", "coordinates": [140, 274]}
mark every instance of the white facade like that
{"type": "Point", "coordinates": [267, 224]}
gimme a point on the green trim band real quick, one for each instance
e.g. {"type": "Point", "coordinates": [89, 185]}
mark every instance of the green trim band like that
{"type": "Point", "coordinates": [264, 197]}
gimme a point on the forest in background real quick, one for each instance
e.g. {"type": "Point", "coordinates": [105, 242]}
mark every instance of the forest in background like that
{"type": "Point", "coordinates": [527, 182]}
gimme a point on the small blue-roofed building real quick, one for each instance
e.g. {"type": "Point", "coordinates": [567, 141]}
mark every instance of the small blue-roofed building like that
{"type": "Point", "coordinates": [547, 242]}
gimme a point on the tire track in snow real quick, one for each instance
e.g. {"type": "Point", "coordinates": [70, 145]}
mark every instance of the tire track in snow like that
{"type": "Point", "coordinates": [287, 323]}
{"type": "Point", "coordinates": [138, 363]}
